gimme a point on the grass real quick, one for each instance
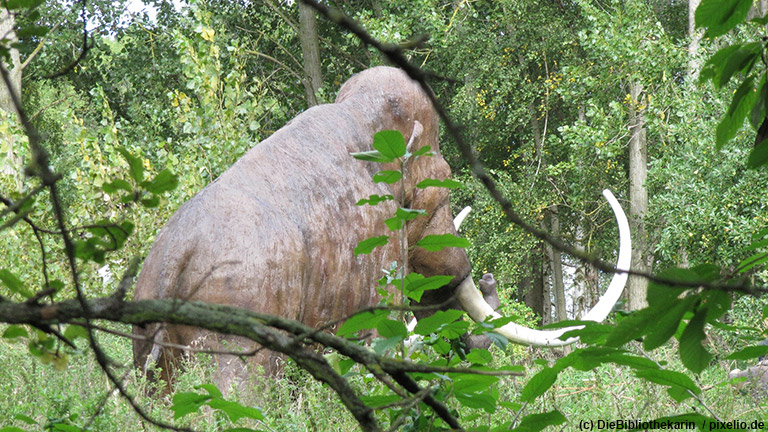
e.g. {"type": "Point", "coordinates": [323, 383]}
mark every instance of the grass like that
{"type": "Point", "coordinates": [81, 396]}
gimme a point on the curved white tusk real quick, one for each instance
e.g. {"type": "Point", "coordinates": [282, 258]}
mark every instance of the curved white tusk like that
{"type": "Point", "coordinates": [472, 301]}
{"type": "Point", "coordinates": [460, 217]}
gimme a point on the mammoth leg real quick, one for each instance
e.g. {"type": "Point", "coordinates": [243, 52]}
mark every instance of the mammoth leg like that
{"type": "Point", "coordinates": [151, 357]}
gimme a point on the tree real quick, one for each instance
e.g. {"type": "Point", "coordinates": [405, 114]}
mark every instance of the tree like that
{"type": "Point", "coordinates": [638, 197]}
{"type": "Point", "coordinates": [310, 48]}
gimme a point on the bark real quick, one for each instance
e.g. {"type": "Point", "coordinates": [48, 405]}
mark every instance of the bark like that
{"type": "Point", "coordinates": [546, 294]}
{"type": "Point", "coordinates": [758, 9]}
{"type": "Point", "coordinates": [7, 32]}
{"type": "Point", "coordinates": [556, 266]}
{"type": "Point", "coordinates": [14, 163]}
{"type": "Point", "coordinates": [310, 49]}
{"type": "Point", "coordinates": [532, 287]}
{"type": "Point", "coordinates": [638, 199]}
{"type": "Point", "coordinates": [694, 62]}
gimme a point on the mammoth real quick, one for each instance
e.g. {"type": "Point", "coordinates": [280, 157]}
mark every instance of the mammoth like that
{"type": "Point", "coordinates": [276, 231]}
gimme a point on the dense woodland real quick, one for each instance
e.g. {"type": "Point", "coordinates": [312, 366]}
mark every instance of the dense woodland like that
{"type": "Point", "coordinates": [559, 100]}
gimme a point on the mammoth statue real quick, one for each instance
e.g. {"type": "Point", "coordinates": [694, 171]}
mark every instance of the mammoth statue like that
{"type": "Point", "coordinates": [276, 231]}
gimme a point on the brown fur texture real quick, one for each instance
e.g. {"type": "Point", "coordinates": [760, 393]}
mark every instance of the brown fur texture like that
{"type": "Point", "coordinates": [276, 231]}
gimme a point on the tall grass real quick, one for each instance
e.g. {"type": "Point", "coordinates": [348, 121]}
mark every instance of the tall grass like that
{"type": "Point", "coordinates": [81, 396]}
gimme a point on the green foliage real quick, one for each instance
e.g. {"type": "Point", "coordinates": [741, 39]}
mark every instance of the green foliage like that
{"type": "Point", "coordinates": [185, 403]}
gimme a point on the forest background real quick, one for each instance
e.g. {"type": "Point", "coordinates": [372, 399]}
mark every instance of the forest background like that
{"type": "Point", "coordinates": [559, 99]}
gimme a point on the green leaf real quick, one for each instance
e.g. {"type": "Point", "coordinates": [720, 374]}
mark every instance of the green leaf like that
{"type": "Point", "coordinates": [26, 419]}
{"type": "Point", "coordinates": [447, 183]}
{"type": "Point", "coordinates": [234, 410]}
{"type": "Point", "coordinates": [389, 143]}
{"type": "Point", "coordinates": [633, 326]}
{"type": "Point", "coordinates": [717, 303]}
{"type": "Point", "coordinates": [376, 401]}
{"type": "Point", "coordinates": [402, 215]}
{"type": "Point", "coordinates": [387, 176]}
{"type": "Point", "coordinates": [758, 156]}
{"type": "Point", "coordinates": [741, 105]}
{"type": "Point", "coordinates": [31, 30]}
{"type": "Point", "coordinates": [165, 181]}
{"type": "Point", "coordinates": [749, 353]}
{"type": "Point", "coordinates": [454, 330]}
{"type": "Point", "coordinates": [498, 339]}
{"type": "Point", "coordinates": [720, 16]}
{"type": "Point", "coordinates": [372, 156]}
{"type": "Point", "coordinates": [437, 242]}
{"type": "Point", "coordinates": [75, 331]}
{"type": "Point", "coordinates": [115, 185]}
{"type": "Point", "coordinates": [390, 328]}
{"type": "Point", "coordinates": [15, 331]}
{"type": "Point", "coordinates": [475, 391]}
{"type": "Point", "coordinates": [479, 400]}
{"type": "Point", "coordinates": [186, 403]}
{"type": "Point", "coordinates": [537, 422]}
{"type": "Point", "coordinates": [753, 261]}
{"type": "Point", "coordinates": [757, 115]}
{"type": "Point", "coordinates": [432, 324]}
{"type": "Point", "coordinates": [14, 283]}
{"type": "Point", "coordinates": [135, 164]}
{"type": "Point", "coordinates": [361, 321]}
{"type": "Point", "coordinates": [22, 4]}
{"type": "Point", "coordinates": [479, 356]}
{"type": "Point", "coordinates": [668, 378]}
{"type": "Point", "coordinates": [375, 199]}
{"type": "Point", "coordinates": [740, 60]}
{"type": "Point", "coordinates": [151, 202]}
{"type": "Point", "coordinates": [211, 389]}
{"type": "Point", "coordinates": [416, 284]}
{"type": "Point", "coordinates": [666, 326]}
{"type": "Point", "coordinates": [381, 345]}
{"type": "Point", "coordinates": [368, 245]}
{"type": "Point", "coordinates": [424, 150]}
{"type": "Point", "coordinates": [539, 383]}
{"type": "Point", "coordinates": [592, 333]}
{"type": "Point", "coordinates": [63, 427]}
{"type": "Point", "coordinates": [692, 353]}
{"type": "Point", "coordinates": [713, 68]}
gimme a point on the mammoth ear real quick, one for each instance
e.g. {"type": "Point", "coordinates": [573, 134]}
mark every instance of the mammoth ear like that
{"type": "Point", "coordinates": [415, 134]}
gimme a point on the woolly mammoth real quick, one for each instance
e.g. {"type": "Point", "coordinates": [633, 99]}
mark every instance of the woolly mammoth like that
{"type": "Point", "coordinates": [275, 232]}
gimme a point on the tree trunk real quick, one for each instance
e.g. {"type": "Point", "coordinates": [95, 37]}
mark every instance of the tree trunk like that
{"type": "Point", "coordinates": [7, 32]}
{"type": "Point", "coordinates": [757, 10]}
{"type": "Point", "coordinates": [310, 49]}
{"type": "Point", "coordinates": [694, 62]}
{"type": "Point", "coordinates": [546, 291]}
{"type": "Point", "coordinates": [14, 163]}
{"type": "Point", "coordinates": [638, 198]}
{"type": "Point", "coordinates": [532, 287]}
{"type": "Point", "coordinates": [556, 266]}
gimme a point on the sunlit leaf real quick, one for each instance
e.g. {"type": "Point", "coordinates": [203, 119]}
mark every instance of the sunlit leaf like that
{"type": "Point", "coordinates": [389, 143]}
{"type": "Point", "coordinates": [692, 353]}
{"type": "Point", "coordinates": [387, 176]}
{"type": "Point", "coordinates": [720, 16]}
{"type": "Point", "coordinates": [437, 242]}
{"type": "Point", "coordinates": [362, 321]}
{"type": "Point", "coordinates": [447, 183]}
{"type": "Point", "coordinates": [368, 245]}
{"type": "Point", "coordinates": [537, 422]}
{"type": "Point", "coordinates": [135, 164]}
